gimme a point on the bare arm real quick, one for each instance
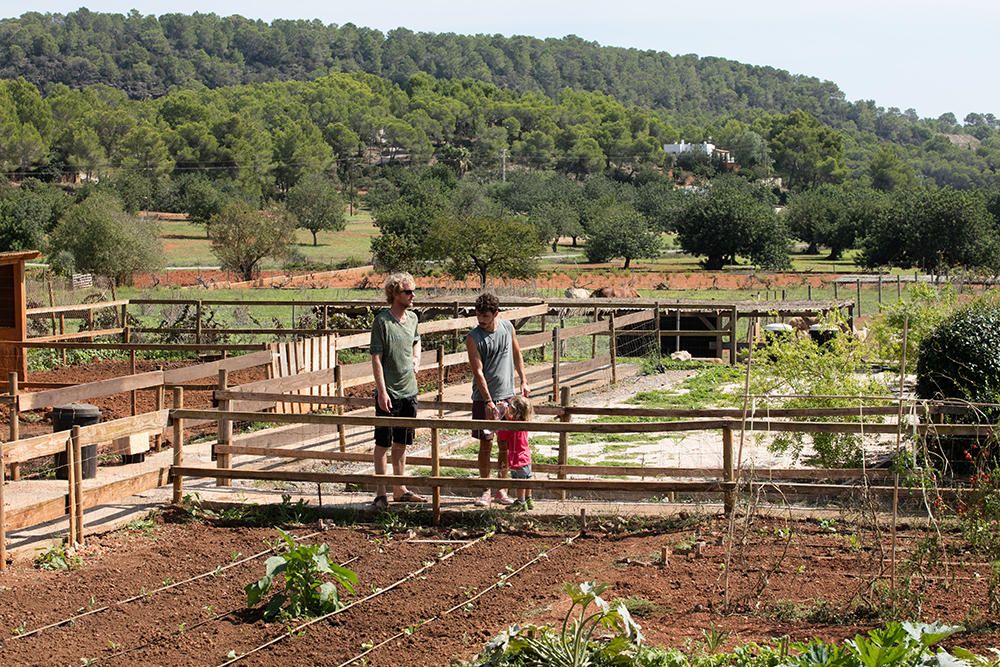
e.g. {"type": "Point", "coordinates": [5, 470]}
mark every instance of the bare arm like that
{"type": "Point", "coordinates": [416, 355]}
{"type": "Point", "coordinates": [382, 395]}
{"type": "Point", "coordinates": [519, 363]}
{"type": "Point", "coordinates": [478, 378]}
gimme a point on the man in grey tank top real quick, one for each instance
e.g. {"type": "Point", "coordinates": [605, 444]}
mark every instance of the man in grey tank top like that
{"type": "Point", "coordinates": [494, 356]}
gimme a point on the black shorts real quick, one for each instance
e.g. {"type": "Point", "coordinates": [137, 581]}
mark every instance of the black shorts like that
{"type": "Point", "coordinates": [386, 435]}
{"type": "Point", "coordinates": [479, 412]}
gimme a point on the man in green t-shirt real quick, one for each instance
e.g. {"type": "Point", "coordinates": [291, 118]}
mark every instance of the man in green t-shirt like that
{"type": "Point", "coordinates": [395, 350]}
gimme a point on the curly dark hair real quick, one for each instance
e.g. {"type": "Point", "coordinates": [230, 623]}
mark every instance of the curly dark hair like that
{"type": "Point", "coordinates": [487, 303]}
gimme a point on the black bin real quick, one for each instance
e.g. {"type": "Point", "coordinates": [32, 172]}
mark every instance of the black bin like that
{"type": "Point", "coordinates": [823, 333]}
{"type": "Point", "coordinates": [64, 418]}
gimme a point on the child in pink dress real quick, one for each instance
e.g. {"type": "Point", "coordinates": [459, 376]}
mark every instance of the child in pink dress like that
{"type": "Point", "coordinates": [518, 449]}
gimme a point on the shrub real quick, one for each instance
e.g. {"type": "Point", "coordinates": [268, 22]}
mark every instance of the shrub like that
{"type": "Point", "coordinates": [959, 359]}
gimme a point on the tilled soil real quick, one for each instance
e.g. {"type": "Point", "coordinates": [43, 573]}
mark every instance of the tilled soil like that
{"type": "Point", "coordinates": [774, 580]}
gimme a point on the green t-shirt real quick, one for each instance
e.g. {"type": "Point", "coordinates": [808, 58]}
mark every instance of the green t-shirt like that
{"type": "Point", "coordinates": [393, 340]}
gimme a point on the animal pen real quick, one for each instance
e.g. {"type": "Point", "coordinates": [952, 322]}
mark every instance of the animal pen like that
{"type": "Point", "coordinates": [304, 403]}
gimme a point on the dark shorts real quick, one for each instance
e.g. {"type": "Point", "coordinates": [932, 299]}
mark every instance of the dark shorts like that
{"type": "Point", "coordinates": [479, 412]}
{"type": "Point", "coordinates": [524, 472]}
{"type": "Point", "coordinates": [386, 435]}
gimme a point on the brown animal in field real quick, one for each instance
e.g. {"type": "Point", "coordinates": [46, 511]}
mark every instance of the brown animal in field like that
{"type": "Point", "coordinates": [615, 292]}
{"type": "Point", "coordinates": [801, 324]}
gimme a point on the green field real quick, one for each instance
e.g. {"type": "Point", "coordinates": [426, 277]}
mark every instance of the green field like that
{"type": "Point", "coordinates": [184, 244]}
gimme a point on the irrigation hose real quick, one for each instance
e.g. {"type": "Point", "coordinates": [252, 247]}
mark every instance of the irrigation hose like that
{"type": "Point", "coordinates": [210, 573]}
{"type": "Point", "coordinates": [297, 629]}
{"type": "Point", "coordinates": [413, 628]}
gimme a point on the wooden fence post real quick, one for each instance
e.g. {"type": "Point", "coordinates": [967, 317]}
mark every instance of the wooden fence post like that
{"type": "Point", "coordinates": [134, 396]}
{"type": "Point", "coordinates": [555, 363]}
{"type": "Point", "coordinates": [613, 349]}
{"type": "Point", "coordinates": [858, 290]}
{"type": "Point", "coordinates": [454, 334]}
{"type": "Point", "coordinates": [435, 472]}
{"type": "Point", "coordinates": [78, 484]}
{"type": "Point", "coordinates": [197, 322]}
{"type": "Point", "coordinates": [338, 379]}
{"type": "Point", "coordinates": [440, 378]}
{"type": "Point", "coordinates": [62, 331]}
{"type": "Point", "coordinates": [3, 515]}
{"type": "Point", "coordinates": [728, 477]}
{"type": "Point", "coordinates": [161, 400]}
{"type": "Point", "coordinates": [71, 492]}
{"type": "Point", "coordinates": [178, 446]}
{"type": "Point", "coordinates": [677, 339]}
{"type": "Point", "coordinates": [880, 291]}
{"type": "Point", "coordinates": [15, 423]}
{"type": "Point", "coordinates": [123, 316]}
{"type": "Point", "coordinates": [656, 327]}
{"type": "Point", "coordinates": [326, 317]}
{"type": "Point", "coordinates": [225, 430]}
{"type": "Point", "coordinates": [593, 338]}
{"type": "Point", "coordinates": [899, 287]}
{"type": "Point", "coordinates": [809, 292]}
{"type": "Point", "coordinates": [563, 437]}
{"type": "Point", "coordinates": [836, 289]}
{"type": "Point", "coordinates": [734, 318]}
{"type": "Point", "coordinates": [541, 350]}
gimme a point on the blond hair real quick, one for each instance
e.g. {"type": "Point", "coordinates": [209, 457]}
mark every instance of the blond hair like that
{"type": "Point", "coordinates": [394, 283]}
{"type": "Point", "coordinates": [521, 409]}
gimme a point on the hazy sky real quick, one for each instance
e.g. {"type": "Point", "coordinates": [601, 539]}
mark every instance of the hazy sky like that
{"type": "Point", "coordinates": [931, 56]}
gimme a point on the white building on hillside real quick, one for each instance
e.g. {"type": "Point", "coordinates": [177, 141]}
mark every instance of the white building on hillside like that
{"type": "Point", "coordinates": [683, 147]}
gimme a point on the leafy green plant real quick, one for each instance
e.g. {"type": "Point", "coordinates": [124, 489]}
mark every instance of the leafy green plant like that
{"type": "Point", "coordinates": [58, 557]}
{"type": "Point", "coordinates": [306, 594]}
{"type": "Point", "coordinates": [573, 645]}
{"type": "Point", "coordinates": [812, 372]}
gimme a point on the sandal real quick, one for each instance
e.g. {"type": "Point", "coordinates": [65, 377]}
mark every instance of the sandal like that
{"type": "Point", "coordinates": [380, 504]}
{"type": "Point", "coordinates": [410, 497]}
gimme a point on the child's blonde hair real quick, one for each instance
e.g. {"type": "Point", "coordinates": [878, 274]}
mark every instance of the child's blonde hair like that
{"type": "Point", "coordinates": [521, 409]}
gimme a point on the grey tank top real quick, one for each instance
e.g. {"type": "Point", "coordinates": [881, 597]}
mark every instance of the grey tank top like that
{"type": "Point", "coordinates": [496, 351]}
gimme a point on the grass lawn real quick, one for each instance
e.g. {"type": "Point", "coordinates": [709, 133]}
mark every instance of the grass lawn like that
{"type": "Point", "coordinates": [184, 243]}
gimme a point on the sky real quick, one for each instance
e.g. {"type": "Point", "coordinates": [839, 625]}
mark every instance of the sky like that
{"type": "Point", "coordinates": [918, 54]}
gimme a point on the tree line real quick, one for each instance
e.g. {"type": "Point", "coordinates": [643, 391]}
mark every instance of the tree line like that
{"type": "Point", "coordinates": [148, 57]}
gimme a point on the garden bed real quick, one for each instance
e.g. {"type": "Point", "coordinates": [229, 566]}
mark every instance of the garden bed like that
{"type": "Point", "coordinates": [802, 579]}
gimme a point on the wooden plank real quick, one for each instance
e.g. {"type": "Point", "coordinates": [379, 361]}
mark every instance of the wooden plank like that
{"type": "Point", "coordinates": [644, 486]}
{"type": "Point", "coordinates": [81, 334]}
{"type": "Point", "coordinates": [460, 424]}
{"type": "Point", "coordinates": [52, 443]}
{"type": "Point", "coordinates": [178, 347]}
{"type": "Point", "coordinates": [40, 512]}
{"type": "Point", "coordinates": [634, 318]}
{"type": "Point", "coordinates": [81, 308]}
{"type": "Point", "coordinates": [585, 329]}
{"type": "Point", "coordinates": [212, 368]}
{"type": "Point", "coordinates": [53, 397]}
{"type": "Point", "coordinates": [631, 471]}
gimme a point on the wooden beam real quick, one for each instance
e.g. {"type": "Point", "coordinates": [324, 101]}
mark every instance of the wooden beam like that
{"type": "Point", "coordinates": [460, 424]}
{"type": "Point", "coordinates": [117, 331]}
{"type": "Point", "coordinates": [52, 443]}
{"type": "Point", "coordinates": [74, 308]}
{"type": "Point", "coordinates": [644, 486]}
{"type": "Point", "coordinates": [53, 397]}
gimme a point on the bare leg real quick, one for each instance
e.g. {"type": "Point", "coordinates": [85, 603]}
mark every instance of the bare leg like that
{"type": "Point", "coordinates": [502, 469]}
{"type": "Point", "coordinates": [398, 467]}
{"type": "Point", "coordinates": [380, 453]}
{"type": "Point", "coordinates": [484, 457]}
